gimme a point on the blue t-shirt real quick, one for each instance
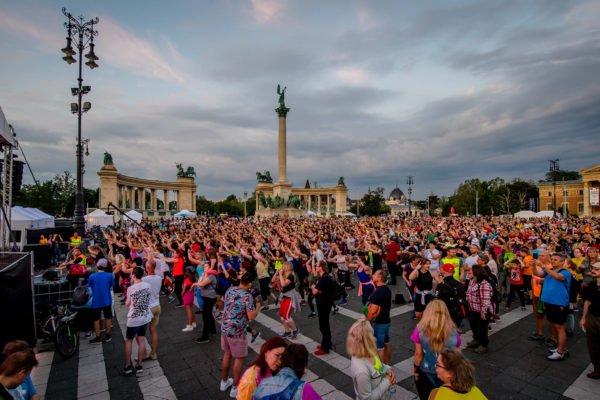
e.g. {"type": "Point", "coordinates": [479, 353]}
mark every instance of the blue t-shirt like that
{"type": "Point", "coordinates": [24, 391]}
{"type": "Point", "coordinates": [101, 284]}
{"type": "Point", "coordinates": [556, 292]}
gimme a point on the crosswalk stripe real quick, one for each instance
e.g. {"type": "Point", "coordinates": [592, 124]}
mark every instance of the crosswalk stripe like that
{"type": "Point", "coordinates": [91, 372]}
{"type": "Point", "coordinates": [393, 312]}
{"type": "Point", "coordinates": [152, 381]}
{"type": "Point", "coordinates": [334, 359]}
{"type": "Point", "coordinates": [41, 373]}
{"type": "Point", "coordinates": [583, 388]}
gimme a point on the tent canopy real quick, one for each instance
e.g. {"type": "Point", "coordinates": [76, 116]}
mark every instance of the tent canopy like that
{"type": "Point", "coordinates": [134, 215]}
{"type": "Point", "coordinates": [99, 218]}
{"type": "Point", "coordinates": [525, 214]}
{"type": "Point", "coordinates": [185, 213]}
{"type": "Point", "coordinates": [547, 214]}
{"type": "Point", "coordinates": [30, 218]}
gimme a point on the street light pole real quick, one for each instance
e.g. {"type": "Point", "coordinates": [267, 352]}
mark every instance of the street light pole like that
{"type": "Point", "coordinates": [409, 182]}
{"type": "Point", "coordinates": [83, 32]}
{"type": "Point", "coordinates": [554, 169]}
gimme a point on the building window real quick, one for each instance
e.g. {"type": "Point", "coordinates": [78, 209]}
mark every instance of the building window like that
{"type": "Point", "coordinates": [580, 207]}
{"type": "Point", "coordinates": [581, 192]}
{"type": "Point", "coordinates": [549, 194]}
{"type": "Point", "coordinates": [549, 206]}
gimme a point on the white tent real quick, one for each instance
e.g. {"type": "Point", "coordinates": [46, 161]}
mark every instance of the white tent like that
{"type": "Point", "coordinates": [185, 213]}
{"type": "Point", "coordinates": [547, 214]}
{"type": "Point", "coordinates": [134, 215]}
{"type": "Point", "coordinates": [525, 214]}
{"type": "Point", "coordinates": [349, 214]}
{"type": "Point", "coordinates": [311, 213]}
{"type": "Point", "coordinates": [99, 218]}
{"type": "Point", "coordinates": [30, 218]}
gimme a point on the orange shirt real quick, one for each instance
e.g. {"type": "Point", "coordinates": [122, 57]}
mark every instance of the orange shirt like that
{"type": "Point", "coordinates": [537, 282]}
{"type": "Point", "coordinates": [527, 270]}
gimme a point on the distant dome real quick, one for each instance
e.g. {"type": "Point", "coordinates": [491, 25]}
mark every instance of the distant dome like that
{"type": "Point", "coordinates": [396, 195]}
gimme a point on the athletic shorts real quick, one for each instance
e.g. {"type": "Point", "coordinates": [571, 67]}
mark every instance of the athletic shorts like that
{"type": "Point", "coordinates": [382, 335]}
{"type": "Point", "coordinates": [107, 311]}
{"type": "Point", "coordinates": [527, 281]}
{"type": "Point", "coordinates": [132, 331]}
{"type": "Point", "coordinates": [155, 316]}
{"type": "Point", "coordinates": [556, 314]}
{"type": "Point", "coordinates": [237, 347]}
{"type": "Point", "coordinates": [285, 309]}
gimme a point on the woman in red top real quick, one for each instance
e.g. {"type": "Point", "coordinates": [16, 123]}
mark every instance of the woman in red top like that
{"type": "Point", "coordinates": [188, 298]}
{"type": "Point", "coordinates": [517, 285]}
{"type": "Point", "coordinates": [178, 260]}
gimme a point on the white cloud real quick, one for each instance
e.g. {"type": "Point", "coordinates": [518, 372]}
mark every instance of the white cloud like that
{"type": "Point", "coordinates": [266, 10]}
{"type": "Point", "coordinates": [352, 75]}
{"type": "Point", "coordinates": [15, 24]}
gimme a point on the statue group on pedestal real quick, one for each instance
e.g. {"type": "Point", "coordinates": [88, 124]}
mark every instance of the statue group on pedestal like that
{"type": "Point", "coordinates": [293, 201]}
{"type": "Point", "coordinates": [188, 173]}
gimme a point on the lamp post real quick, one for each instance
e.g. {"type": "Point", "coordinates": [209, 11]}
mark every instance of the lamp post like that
{"type": "Point", "coordinates": [245, 201]}
{"type": "Point", "coordinates": [554, 169]}
{"type": "Point", "coordinates": [82, 33]}
{"type": "Point", "coordinates": [409, 182]}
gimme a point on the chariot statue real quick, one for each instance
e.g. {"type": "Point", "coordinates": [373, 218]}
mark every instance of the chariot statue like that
{"type": "Point", "coordinates": [107, 158]}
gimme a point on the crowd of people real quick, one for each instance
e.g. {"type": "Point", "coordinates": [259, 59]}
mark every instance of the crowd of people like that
{"type": "Point", "coordinates": [454, 270]}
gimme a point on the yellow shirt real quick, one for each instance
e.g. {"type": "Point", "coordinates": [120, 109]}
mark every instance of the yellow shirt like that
{"type": "Point", "coordinates": [456, 262]}
{"type": "Point", "coordinates": [44, 241]}
{"type": "Point", "coordinates": [444, 393]}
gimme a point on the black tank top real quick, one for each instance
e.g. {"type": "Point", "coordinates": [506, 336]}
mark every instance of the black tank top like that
{"type": "Point", "coordinates": [424, 281]}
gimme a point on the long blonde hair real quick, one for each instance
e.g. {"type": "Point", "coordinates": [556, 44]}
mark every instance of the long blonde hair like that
{"type": "Point", "coordinates": [360, 341]}
{"type": "Point", "coordinates": [436, 324]}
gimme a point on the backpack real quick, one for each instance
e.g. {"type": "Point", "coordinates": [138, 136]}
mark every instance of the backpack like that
{"type": "Point", "coordinates": [496, 295]}
{"type": "Point", "coordinates": [286, 394]}
{"type": "Point", "coordinates": [337, 291]}
{"type": "Point", "coordinates": [80, 295]}
{"type": "Point", "coordinates": [457, 303]}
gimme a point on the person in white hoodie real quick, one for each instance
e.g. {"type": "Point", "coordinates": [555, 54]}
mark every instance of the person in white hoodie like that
{"type": "Point", "coordinates": [371, 377]}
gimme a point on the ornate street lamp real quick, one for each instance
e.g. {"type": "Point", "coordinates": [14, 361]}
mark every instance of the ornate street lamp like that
{"type": "Point", "coordinates": [409, 182]}
{"type": "Point", "coordinates": [554, 168]}
{"type": "Point", "coordinates": [81, 34]}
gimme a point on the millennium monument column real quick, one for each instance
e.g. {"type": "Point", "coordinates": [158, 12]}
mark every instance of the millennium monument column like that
{"type": "Point", "coordinates": [282, 187]}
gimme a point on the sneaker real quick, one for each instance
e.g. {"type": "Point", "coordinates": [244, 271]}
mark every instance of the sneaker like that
{"type": "Point", "coordinates": [188, 328]}
{"type": "Point", "coordinates": [594, 375]}
{"type": "Point", "coordinates": [107, 338]}
{"type": "Point", "coordinates": [481, 350]}
{"type": "Point", "coordinates": [343, 302]}
{"type": "Point", "coordinates": [320, 352]}
{"type": "Point", "coordinates": [523, 309]}
{"type": "Point", "coordinates": [506, 308]}
{"type": "Point", "coordinates": [536, 336]}
{"type": "Point", "coordinates": [180, 305]}
{"type": "Point", "coordinates": [556, 356]}
{"type": "Point", "coordinates": [139, 369]}
{"type": "Point", "coordinates": [295, 334]}
{"type": "Point", "coordinates": [233, 392]}
{"type": "Point", "coordinates": [257, 334]}
{"type": "Point", "coordinates": [472, 344]}
{"type": "Point", "coordinates": [170, 300]}
{"type": "Point", "coordinates": [265, 308]}
{"type": "Point", "coordinates": [312, 315]}
{"type": "Point", "coordinates": [128, 370]}
{"type": "Point", "coordinates": [226, 384]}
{"type": "Point", "coordinates": [194, 325]}
{"type": "Point", "coordinates": [551, 343]}
{"type": "Point", "coordinates": [96, 340]}
{"type": "Point", "coordinates": [88, 334]}
{"type": "Point", "coordinates": [201, 340]}
{"type": "Point", "coordinates": [198, 312]}
{"type": "Point", "coordinates": [285, 335]}
{"type": "Point", "coordinates": [303, 303]}
{"type": "Point", "coordinates": [335, 310]}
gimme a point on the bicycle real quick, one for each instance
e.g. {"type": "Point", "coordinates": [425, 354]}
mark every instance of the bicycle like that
{"type": "Point", "coordinates": [60, 328]}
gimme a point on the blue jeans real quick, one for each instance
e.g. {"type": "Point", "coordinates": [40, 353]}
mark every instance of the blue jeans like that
{"type": "Point", "coordinates": [382, 334]}
{"type": "Point", "coordinates": [199, 299]}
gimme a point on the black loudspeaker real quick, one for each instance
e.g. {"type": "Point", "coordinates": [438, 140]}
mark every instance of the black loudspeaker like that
{"type": "Point", "coordinates": [41, 254]}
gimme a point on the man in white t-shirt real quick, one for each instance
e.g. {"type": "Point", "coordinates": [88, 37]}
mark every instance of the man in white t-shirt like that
{"type": "Point", "coordinates": [434, 256]}
{"type": "Point", "coordinates": [155, 281]}
{"type": "Point", "coordinates": [138, 317]}
{"type": "Point", "coordinates": [473, 257]}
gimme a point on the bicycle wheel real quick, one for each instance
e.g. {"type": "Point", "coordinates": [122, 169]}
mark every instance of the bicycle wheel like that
{"type": "Point", "coordinates": [66, 340]}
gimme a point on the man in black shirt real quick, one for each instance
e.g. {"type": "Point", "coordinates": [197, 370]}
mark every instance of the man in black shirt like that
{"type": "Point", "coordinates": [590, 321]}
{"type": "Point", "coordinates": [452, 292]}
{"type": "Point", "coordinates": [379, 314]}
{"type": "Point", "coordinates": [322, 291]}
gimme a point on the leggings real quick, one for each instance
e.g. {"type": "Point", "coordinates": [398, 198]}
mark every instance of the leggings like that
{"type": "Point", "coordinates": [511, 294]}
{"type": "Point", "coordinates": [199, 299]}
{"type": "Point", "coordinates": [311, 296]}
{"type": "Point", "coordinates": [179, 287]}
{"type": "Point", "coordinates": [265, 288]}
{"type": "Point", "coordinates": [208, 321]}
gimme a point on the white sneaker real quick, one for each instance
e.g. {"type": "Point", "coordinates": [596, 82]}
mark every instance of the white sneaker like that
{"type": "Point", "coordinates": [194, 325]}
{"type": "Point", "coordinates": [556, 356]}
{"type": "Point", "coordinates": [226, 384]}
{"type": "Point", "coordinates": [233, 392]}
{"type": "Point", "coordinates": [188, 328]}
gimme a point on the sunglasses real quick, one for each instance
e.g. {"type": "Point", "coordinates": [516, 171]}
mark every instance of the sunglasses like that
{"type": "Point", "coordinates": [438, 365]}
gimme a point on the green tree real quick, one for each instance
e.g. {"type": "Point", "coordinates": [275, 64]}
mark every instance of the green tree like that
{"type": "Point", "coordinates": [203, 205]}
{"type": "Point", "coordinates": [372, 204]}
{"type": "Point", "coordinates": [560, 174]}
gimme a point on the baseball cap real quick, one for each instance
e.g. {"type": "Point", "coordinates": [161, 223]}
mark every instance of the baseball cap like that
{"type": "Point", "coordinates": [484, 257]}
{"type": "Point", "coordinates": [196, 247]}
{"type": "Point", "coordinates": [448, 268]}
{"type": "Point", "coordinates": [102, 263]}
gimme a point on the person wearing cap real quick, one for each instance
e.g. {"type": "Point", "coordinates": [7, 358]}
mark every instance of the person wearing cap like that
{"type": "Point", "coordinates": [449, 291]}
{"type": "Point", "coordinates": [101, 283]}
{"type": "Point", "coordinates": [455, 261]}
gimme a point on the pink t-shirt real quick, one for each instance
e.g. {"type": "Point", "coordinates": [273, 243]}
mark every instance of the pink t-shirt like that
{"type": "Point", "coordinates": [415, 337]}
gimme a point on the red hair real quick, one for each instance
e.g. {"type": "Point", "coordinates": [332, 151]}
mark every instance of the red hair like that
{"type": "Point", "coordinates": [269, 345]}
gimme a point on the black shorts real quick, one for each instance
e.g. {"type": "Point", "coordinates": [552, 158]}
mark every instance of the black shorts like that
{"type": "Point", "coordinates": [107, 312]}
{"type": "Point", "coordinates": [556, 314]}
{"type": "Point", "coordinates": [134, 331]}
{"type": "Point", "coordinates": [527, 281]}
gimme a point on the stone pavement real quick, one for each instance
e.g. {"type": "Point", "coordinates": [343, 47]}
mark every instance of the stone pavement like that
{"type": "Point", "coordinates": [515, 368]}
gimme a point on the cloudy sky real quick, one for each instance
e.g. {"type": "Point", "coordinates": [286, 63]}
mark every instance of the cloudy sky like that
{"type": "Point", "coordinates": [443, 91]}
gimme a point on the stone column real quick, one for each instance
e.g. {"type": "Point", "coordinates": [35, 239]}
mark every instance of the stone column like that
{"type": "Point", "coordinates": [166, 199]}
{"type": "Point", "coordinates": [328, 205]}
{"type": "Point", "coordinates": [142, 198]}
{"type": "Point", "coordinates": [178, 200]}
{"type": "Point", "coordinates": [131, 197]}
{"type": "Point", "coordinates": [153, 199]}
{"type": "Point", "coordinates": [257, 200]}
{"type": "Point", "coordinates": [309, 202]}
{"type": "Point", "coordinates": [282, 164]}
{"type": "Point", "coordinates": [587, 209]}
{"type": "Point", "coordinates": [319, 204]}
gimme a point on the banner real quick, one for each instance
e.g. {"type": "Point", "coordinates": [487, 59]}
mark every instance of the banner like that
{"type": "Point", "coordinates": [594, 196]}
